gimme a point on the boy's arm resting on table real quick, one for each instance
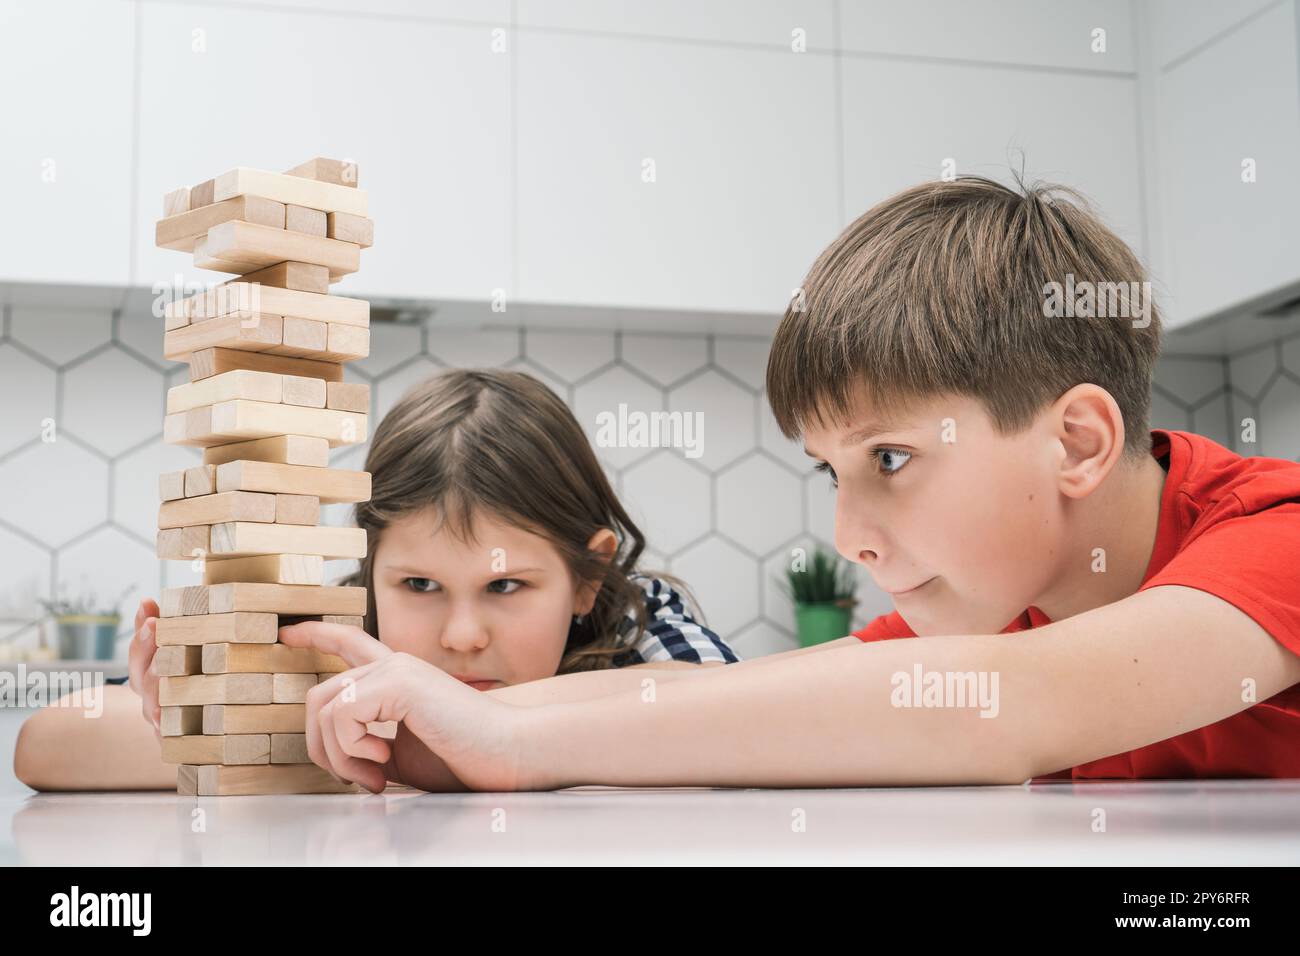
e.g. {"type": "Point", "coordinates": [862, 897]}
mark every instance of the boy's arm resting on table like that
{"type": "Point", "coordinates": [588, 685]}
{"type": "Point", "coordinates": [59, 748]}
{"type": "Point", "coordinates": [1159, 663]}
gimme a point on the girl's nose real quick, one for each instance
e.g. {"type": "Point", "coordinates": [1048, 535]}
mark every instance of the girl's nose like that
{"type": "Point", "coordinates": [464, 629]}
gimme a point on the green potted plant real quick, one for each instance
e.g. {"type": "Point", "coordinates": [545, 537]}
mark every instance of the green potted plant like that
{"type": "Point", "coordinates": [86, 628]}
{"type": "Point", "coordinates": [822, 590]}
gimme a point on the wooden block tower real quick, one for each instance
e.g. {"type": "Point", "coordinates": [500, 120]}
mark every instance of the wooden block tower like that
{"type": "Point", "coordinates": [266, 401]}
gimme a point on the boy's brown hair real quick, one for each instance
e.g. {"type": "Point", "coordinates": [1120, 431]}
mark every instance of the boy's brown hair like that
{"type": "Point", "coordinates": [942, 289]}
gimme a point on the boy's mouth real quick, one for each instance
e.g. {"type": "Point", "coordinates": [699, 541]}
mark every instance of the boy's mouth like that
{"type": "Point", "coordinates": [905, 591]}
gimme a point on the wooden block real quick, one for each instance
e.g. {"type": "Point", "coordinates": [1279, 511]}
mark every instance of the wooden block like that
{"type": "Point", "coordinates": [300, 390]}
{"type": "Point", "coordinates": [328, 485]}
{"type": "Point", "coordinates": [289, 688]}
{"type": "Point", "coordinates": [268, 659]}
{"type": "Point", "coordinates": [347, 396]}
{"type": "Point", "coordinates": [302, 337]}
{"type": "Point", "coordinates": [267, 569]}
{"type": "Point", "coordinates": [287, 599]}
{"type": "Point", "coordinates": [289, 748]}
{"type": "Point", "coordinates": [304, 450]}
{"type": "Point", "coordinates": [171, 485]}
{"type": "Point", "coordinates": [211, 509]}
{"type": "Point", "coordinates": [302, 219]}
{"type": "Point", "coordinates": [180, 721]}
{"type": "Point", "coordinates": [208, 362]}
{"type": "Point", "coordinates": [239, 627]}
{"type": "Point", "coordinates": [240, 383]}
{"type": "Point", "coordinates": [229, 749]}
{"type": "Point", "coordinates": [293, 276]}
{"type": "Point", "coordinates": [346, 619]}
{"type": "Point", "coordinates": [216, 689]}
{"type": "Point", "coordinates": [346, 343]}
{"type": "Point", "coordinates": [240, 420]}
{"type": "Point", "coordinates": [297, 509]}
{"type": "Point", "coordinates": [241, 539]}
{"type": "Point", "coordinates": [215, 780]}
{"type": "Point", "coordinates": [174, 660]}
{"type": "Point", "coordinates": [349, 228]}
{"type": "Point", "coordinates": [203, 193]}
{"type": "Point", "coordinates": [254, 718]}
{"type": "Point", "coordinates": [184, 544]}
{"type": "Point", "coordinates": [245, 295]}
{"type": "Point", "coordinates": [192, 599]}
{"type": "Point", "coordinates": [338, 171]}
{"type": "Point", "coordinates": [200, 480]}
{"type": "Point", "coordinates": [331, 197]}
{"type": "Point", "coordinates": [176, 202]}
{"type": "Point", "coordinates": [243, 247]}
{"type": "Point", "coordinates": [183, 232]}
{"type": "Point", "coordinates": [251, 332]}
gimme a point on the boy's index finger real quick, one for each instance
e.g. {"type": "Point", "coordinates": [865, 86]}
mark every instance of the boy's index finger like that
{"type": "Point", "coordinates": [354, 645]}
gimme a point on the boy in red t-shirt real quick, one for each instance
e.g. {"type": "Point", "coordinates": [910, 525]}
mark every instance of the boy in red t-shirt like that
{"type": "Point", "coordinates": [971, 365]}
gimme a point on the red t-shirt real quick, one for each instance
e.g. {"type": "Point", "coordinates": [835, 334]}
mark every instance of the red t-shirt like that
{"type": "Point", "coordinates": [1229, 526]}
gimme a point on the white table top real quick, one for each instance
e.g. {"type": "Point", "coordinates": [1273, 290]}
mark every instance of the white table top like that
{"type": "Point", "coordinates": [1149, 823]}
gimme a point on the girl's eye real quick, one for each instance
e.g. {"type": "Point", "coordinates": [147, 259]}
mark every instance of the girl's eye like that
{"type": "Point", "coordinates": [890, 461]}
{"type": "Point", "coordinates": [825, 468]}
{"type": "Point", "coordinates": [420, 585]}
{"type": "Point", "coordinates": [507, 586]}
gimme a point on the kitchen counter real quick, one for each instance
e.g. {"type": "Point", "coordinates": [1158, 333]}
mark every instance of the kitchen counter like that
{"type": "Point", "coordinates": [1146, 823]}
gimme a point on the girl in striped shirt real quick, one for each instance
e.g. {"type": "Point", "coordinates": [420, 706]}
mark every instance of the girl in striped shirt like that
{"type": "Point", "coordinates": [497, 552]}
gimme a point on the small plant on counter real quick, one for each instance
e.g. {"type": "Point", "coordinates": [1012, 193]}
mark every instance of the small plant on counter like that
{"type": "Point", "coordinates": [822, 589]}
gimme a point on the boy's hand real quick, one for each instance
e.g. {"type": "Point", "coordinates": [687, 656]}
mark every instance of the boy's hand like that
{"type": "Point", "coordinates": [143, 677]}
{"type": "Point", "coordinates": [472, 738]}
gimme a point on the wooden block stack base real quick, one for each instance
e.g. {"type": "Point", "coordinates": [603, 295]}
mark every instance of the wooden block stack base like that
{"type": "Point", "coordinates": [266, 401]}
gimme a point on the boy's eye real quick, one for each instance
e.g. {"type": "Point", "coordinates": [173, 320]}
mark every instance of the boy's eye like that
{"type": "Point", "coordinates": [420, 585]}
{"type": "Point", "coordinates": [507, 586]}
{"type": "Point", "coordinates": [825, 468]}
{"type": "Point", "coordinates": [890, 460]}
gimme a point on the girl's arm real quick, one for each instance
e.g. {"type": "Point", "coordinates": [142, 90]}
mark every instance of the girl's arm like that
{"type": "Point", "coordinates": [59, 748]}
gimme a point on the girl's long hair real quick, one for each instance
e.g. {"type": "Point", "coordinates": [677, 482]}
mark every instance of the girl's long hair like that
{"type": "Point", "coordinates": [474, 441]}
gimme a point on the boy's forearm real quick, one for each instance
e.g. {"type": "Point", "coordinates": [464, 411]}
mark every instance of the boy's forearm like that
{"type": "Point", "coordinates": [817, 720]}
{"type": "Point", "coordinates": [588, 685]}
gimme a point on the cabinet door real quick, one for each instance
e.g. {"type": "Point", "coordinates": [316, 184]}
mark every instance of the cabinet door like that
{"type": "Point", "coordinates": [672, 175]}
{"type": "Point", "coordinates": [65, 140]}
{"type": "Point", "coordinates": [422, 107]}
{"type": "Point", "coordinates": [1233, 101]}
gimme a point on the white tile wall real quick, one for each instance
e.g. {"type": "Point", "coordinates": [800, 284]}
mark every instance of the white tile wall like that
{"type": "Point", "coordinates": [84, 507]}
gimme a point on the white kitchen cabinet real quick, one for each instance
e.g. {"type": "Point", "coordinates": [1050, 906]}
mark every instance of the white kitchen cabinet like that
{"type": "Point", "coordinates": [1055, 34]}
{"type": "Point", "coordinates": [65, 140]}
{"type": "Point", "coordinates": [422, 107]}
{"type": "Point", "coordinates": [680, 176]}
{"type": "Point", "coordinates": [903, 119]}
{"type": "Point", "coordinates": [1235, 100]}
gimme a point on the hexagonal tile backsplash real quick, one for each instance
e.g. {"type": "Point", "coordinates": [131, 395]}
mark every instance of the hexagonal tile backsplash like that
{"type": "Point", "coordinates": [79, 512]}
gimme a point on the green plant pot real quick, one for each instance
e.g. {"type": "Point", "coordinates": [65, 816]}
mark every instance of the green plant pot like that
{"type": "Point", "coordinates": [819, 623]}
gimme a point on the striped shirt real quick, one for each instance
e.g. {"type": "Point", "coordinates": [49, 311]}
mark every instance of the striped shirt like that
{"type": "Point", "coordinates": [671, 634]}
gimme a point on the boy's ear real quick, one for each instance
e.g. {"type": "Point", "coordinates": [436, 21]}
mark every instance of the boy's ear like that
{"type": "Point", "coordinates": [1090, 428]}
{"type": "Point", "coordinates": [604, 543]}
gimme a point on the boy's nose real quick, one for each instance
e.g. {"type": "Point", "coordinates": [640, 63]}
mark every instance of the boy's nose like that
{"type": "Point", "coordinates": [857, 538]}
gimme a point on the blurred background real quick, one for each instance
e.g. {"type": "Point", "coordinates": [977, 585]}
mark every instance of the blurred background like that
{"type": "Point", "coordinates": [618, 197]}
